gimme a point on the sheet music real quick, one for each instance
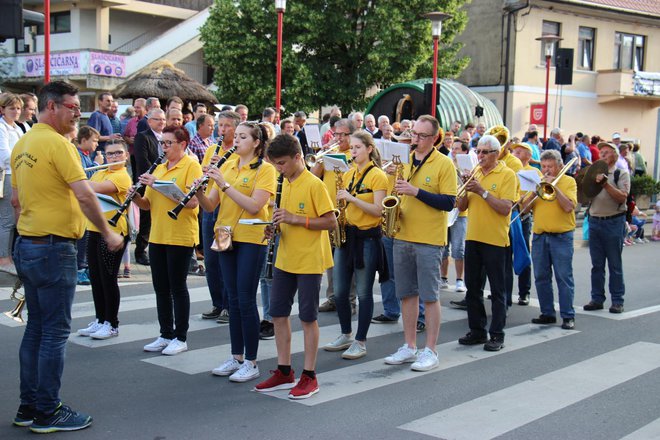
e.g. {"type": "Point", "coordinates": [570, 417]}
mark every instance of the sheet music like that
{"type": "Point", "coordinates": [388, 149]}
{"type": "Point", "coordinates": [107, 203]}
{"type": "Point", "coordinates": [313, 134]}
{"type": "Point", "coordinates": [169, 190]}
{"type": "Point", "coordinates": [466, 162]}
{"type": "Point", "coordinates": [330, 161]}
{"type": "Point", "coordinates": [529, 179]}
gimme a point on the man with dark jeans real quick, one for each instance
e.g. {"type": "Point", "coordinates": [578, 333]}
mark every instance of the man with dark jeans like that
{"type": "Point", "coordinates": [44, 162]}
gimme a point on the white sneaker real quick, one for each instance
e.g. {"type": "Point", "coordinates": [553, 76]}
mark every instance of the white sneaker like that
{"type": "Point", "coordinates": [227, 367]}
{"type": "Point", "coordinates": [341, 343]}
{"type": "Point", "coordinates": [106, 331]}
{"type": "Point", "coordinates": [248, 371]}
{"type": "Point", "coordinates": [444, 284]}
{"type": "Point", "coordinates": [403, 355]}
{"type": "Point", "coordinates": [460, 286]}
{"type": "Point", "coordinates": [158, 345]}
{"type": "Point", "coordinates": [93, 326]}
{"type": "Point", "coordinates": [640, 240]}
{"type": "Point", "coordinates": [355, 351]}
{"type": "Point", "coordinates": [175, 347]}
{"type": "Point", "coordinates": [426, 360]}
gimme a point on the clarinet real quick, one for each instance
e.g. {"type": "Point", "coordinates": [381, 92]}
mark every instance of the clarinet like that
{"type": "Point", "coordinates": [271, 243]}
{"type": "Point", "coordinates": [174, 213]}
{"type": "Point", "coordinates": [124, 206]}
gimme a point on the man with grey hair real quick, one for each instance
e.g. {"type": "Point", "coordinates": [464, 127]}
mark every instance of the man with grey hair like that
{"type": "Point", "coordinates": [406, 124]}
{"type": "Point", "coordinates": [357, 118]}
{"type": "Point", "coordinates": [552, 248]}
{"type": "Point", "coordinates": [370, 125]}
{"type": "Point", "coordinates": [299, 121]}
{"type": "Point", "coordinates": [151, 103]}
{"type": "Point", "coordinates": [382, 122]}
{"type": "Point", "coordinates": [489, 196]}
{"type": "Point", "coordinates": [334, 111]}
{"type": "Point", "coordinates": [554, 141]}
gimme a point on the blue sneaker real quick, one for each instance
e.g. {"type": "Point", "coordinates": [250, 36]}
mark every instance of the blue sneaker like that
{"type": "Point", "coordinates": [63, 419]}
{"type": "Point", "coordinates": [83, 278]}
{"type": "Point", "coordinates": [25, 415]}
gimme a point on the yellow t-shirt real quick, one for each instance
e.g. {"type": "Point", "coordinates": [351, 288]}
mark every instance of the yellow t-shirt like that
{"type": "Point", "coordinates": [375, 180]}
{"type": "Point", "coordinates": [516, 165]}
{"type": "Point", "coordinates": [122, 182]}
{"type": "Point", "coordinates": [329, 178]}
{"type": "Point", "coordinates": [484, 224]}
{"type": "Point", "coordinates": [243, 180]}
{"type": "Point", "coordinates": [549, 216]}
{"type": "Point", "coordinates": [421, 223]}
{"type": "Point", "coordinates": [207, 160]}
{"type": "Point", "coordinates": [164, 230]}
{"type": "Point", "coordinates": [302, 250]}
{"type": "Point", "coordinates": [43, 165]}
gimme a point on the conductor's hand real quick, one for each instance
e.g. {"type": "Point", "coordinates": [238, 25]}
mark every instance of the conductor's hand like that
{"type": "Point", "coordinates": [114, 241]}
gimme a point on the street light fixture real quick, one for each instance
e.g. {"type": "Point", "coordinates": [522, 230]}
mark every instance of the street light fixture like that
{"type": "Point", "coordinates": [548, 42]}
{"type": "Point", "coordinates": [436, 30]}
{"type": "Point", "coordinates": [280, 6]}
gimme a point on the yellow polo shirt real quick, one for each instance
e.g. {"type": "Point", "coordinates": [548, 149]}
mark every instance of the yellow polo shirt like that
{"type": "Point", "coordinates": [484, 224]}
{"type": "Point", "coordinates": [302, 250]}
{"type": "Point", "coordinates": [164, 230]}
{"type": "Point", "coordinates": [421, 223]}
{"type": "Point", "coordinates": [122, 182]}
{"type": "Point", "coordinates": [549, 216]}
{"type": "Point", "coordinates": [329, 178]}
{"type": "Point", "coordinates": [375, 180]}
{"type": "Point", "coordinates": [207, 160]}
{"type": "Point", "coordinates": [243, 180]}
{"type": "Point", "coordinates": [516, 165]}
{"type": "Point", "coordinates": [43, 165]}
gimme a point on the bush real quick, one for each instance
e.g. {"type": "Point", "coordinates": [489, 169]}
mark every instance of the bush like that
{"type": "Point", "coordinates": [644, 185]}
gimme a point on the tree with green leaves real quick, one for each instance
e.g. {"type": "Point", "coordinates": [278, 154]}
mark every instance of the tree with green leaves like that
{"type": "Point", "coordinates": [333, 51]}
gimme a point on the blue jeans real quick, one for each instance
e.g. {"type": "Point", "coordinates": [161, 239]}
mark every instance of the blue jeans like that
{"type": "Point", "coordinates": [241, 268]}
{"type": "Point", "coordinates": [554, 251]}
{"type": "Point", "coordinates": [343, 272]}
{"type": "Point", "coordinates": [212, 262]}
{"type": "Point", "coordinates": [48, 272]}
{"type": "Point", "coordinates": [391, 304]}
{"type": "Point", "coordinates": [606, 244]}
{"type": "Point", "coordinates": [266, 284]}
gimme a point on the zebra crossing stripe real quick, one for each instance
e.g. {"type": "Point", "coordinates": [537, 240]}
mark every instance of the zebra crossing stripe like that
{"type": "Point", "coordinates": [650, 431]}
{"type": "Point", "coordinates": [505, 410]}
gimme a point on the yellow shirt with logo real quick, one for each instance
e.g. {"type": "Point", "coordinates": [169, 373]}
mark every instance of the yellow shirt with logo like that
{"type": "Point", "coordinates": [43, 165]}
{"type": "Point", "coordinates": [375, 180]}
{"type": "Point", "coordinates": [122, 182]}
{"type": "Point", "coordinates": [243, 180]}
{"type": "Point", "coordinates": [302, 250]}
{"type": "Point", "coordinates": [330, 179]}
{"type": "Point", "coordinates": [516, 165]}
{"type": "Point", "coordinates": [210, 152]}
{"type": "Point", "coordinates": [164, 230]}
{"type": "Point", "coordinates": [484, 224]}
{"type": "Point", "coordinates": [549, 216]}
{"type": "Point", "coordinates": [421, 223]}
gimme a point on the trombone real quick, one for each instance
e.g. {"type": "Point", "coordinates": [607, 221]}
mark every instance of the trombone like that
{"type": "Point", "coordinates": [462, 190]}
{"type": "Point", "coordinates": [313, 159]}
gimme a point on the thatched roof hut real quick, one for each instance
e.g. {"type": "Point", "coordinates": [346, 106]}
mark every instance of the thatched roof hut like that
{"type": "Point", "coordinates": [162, 80]}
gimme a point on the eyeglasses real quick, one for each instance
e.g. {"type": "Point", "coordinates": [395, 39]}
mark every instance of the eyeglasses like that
{"type": "Point", "coordinates": [157, 119]}
{"type": "Point", "coordinates": [168, 143]}
{"type": "Point", "coordinates": [337, 134]}
{"type": "Point", "coordinates": [422, 136]}
{"type": "Point", "coordinates": [485, 151]}
{"type": "Point", "coordinates": [114, 153]}
{"type": "Point", "coordinates": [73, 107]}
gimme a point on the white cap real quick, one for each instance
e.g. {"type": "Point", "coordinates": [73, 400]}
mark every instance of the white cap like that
{"type": "Point", "coordinates": [616, 135]}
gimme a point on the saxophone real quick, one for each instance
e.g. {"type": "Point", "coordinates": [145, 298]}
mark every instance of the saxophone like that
{"type": "Point", "coordinates": [338, 236]}
{"type": "Point", "coordinates": [392, 204]}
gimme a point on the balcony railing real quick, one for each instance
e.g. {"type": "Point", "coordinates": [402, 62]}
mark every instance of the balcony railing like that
{"type": "Point", "coordinates": [613, 85]}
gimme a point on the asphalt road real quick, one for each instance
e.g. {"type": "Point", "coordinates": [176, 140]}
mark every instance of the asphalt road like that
{"type": "Point", "coordinates": [601, 381]}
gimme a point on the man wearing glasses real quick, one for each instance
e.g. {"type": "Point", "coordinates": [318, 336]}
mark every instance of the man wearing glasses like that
{"type": "Point", "coordinates": [490, 195]}
{"type": "Point", "coordinates": [146, 151]}
{"type": "Point", "coordinates": [427, 193]}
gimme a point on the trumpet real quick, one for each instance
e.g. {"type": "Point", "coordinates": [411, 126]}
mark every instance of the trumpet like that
{"type": "Point", "coordinates": [312, 159]}
{"type": "Point", "coordinates": [462, 190]}
{"type": "Point", "coordinates": [105, 165]}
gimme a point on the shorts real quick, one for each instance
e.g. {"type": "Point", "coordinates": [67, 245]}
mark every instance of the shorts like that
{"type": "Point", "coordinates": [417, 270]}
{"type": "Point", "coordinates": [456, 237]}
{"type": "Point", "coordinates": [283, 291]}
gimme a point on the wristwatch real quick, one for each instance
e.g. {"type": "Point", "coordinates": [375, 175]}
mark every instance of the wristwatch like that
{"type": "Point", "coordinates": [225, 187]}
{"type": "Point", "coordinates": [485, 195]}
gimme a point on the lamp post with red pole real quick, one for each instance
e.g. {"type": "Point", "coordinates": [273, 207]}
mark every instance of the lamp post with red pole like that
{"type": "Point", "coordinates": [46, 41]}
{"type": "Point", "coordinates": [280, 6]}
{"type": "Point", "coordinates": [548, 42]}
{"type": "Point", "coordinates": [436, 29]}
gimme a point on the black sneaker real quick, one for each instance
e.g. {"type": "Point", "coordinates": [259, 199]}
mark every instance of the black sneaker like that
{"type": "Point", "coordinates": [593, 306]}
{"type": "Point", "coordinates": [143, 260]}
{"type": "Point", "coordinates": [616, 308]}
{"type": "Point", "coordinates": [267, 330]}
{"type": "Point", "coordinates": [462, 304]}
{"type": "Point", "coordinates": [523, 300]}
{"type": "Point", "coordinates": [421, 327]}
{"type": "Point", "coordinates": [223, 318]}
{"type": "Point", "coordinates": [544, 319]}
{"type": "Point", "coordinates": [25, 415]}
{"type": "Point", "coordinates": [63, 419]}
{"type": "Point", "coordinates": [212, 314]}
{"type": "Point", "coordinates": [568, 324]}
{"type": "Point", "coordinates": [382, 319]}
{"type": "Point", "coordinates": [472, 339]}
{"type": "Point", "coordinates": [494, 344]}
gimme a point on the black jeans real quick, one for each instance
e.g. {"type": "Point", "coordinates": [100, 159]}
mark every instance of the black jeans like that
{"type": "Point", "coordinates": [169, 271]}
{"type": "Point", "coordinates": [481, 257]}
{"type": "Point", "coordinates": [103, 267]}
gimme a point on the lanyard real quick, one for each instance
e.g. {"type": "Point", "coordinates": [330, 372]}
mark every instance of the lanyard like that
{"type": "Point", "coordinates": [351, 187]}
{"type": "Point", "coordinates": [414, 169]}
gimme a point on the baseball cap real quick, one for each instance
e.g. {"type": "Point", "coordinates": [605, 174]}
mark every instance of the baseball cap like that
{"type": "Point", "coordinates": [608, 144]}
{"type": "Point", "coordinates": [616, 135]}
{"type": "Point", "coordinates": [522, 145]}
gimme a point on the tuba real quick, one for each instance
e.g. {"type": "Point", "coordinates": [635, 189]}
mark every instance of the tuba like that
{"type": "Point", "coordinates": [501, 133]}
{"type": "Point", "coordinates": [338, 236]}
{"type": "Point", "coordinates": [392, 204]}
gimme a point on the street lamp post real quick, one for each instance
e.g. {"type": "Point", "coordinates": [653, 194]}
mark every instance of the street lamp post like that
{"type": "Point", "coordinates": [46, 41]}
{"type": "Point", "coordinates": [436, 29]}
{"type": "Point", "coordinates": [280, 6]}
{"type": "Point", "coordinates": [548, 42]}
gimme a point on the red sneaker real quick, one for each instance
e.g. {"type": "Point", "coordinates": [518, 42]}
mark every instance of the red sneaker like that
{"type": "Point", "coordinates": [277, 381]}
{"type": "Point", "coordinates": [306, 387]}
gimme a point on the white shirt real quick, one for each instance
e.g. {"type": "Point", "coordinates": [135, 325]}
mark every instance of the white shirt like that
{"type": "Point", "coordinates": [9, 135]}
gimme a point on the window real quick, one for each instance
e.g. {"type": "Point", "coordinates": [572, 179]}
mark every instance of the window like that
{"type": "Point", "coordinates": [550, 28]}
{"type": "Point", "coordinates": [629, 51]}
{"type": "Point", "coordinates": [60, 22]}
{"type": "Point", "coordinates": [586, 39]}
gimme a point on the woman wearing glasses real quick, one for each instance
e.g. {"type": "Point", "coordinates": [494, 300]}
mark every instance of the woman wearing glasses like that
{"type": "Point", "coordinates": [104, 263]}
{"type": "Point", "coordinates": [171, 242]}
{"type": "Point", "coordinates": [242, 187]}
